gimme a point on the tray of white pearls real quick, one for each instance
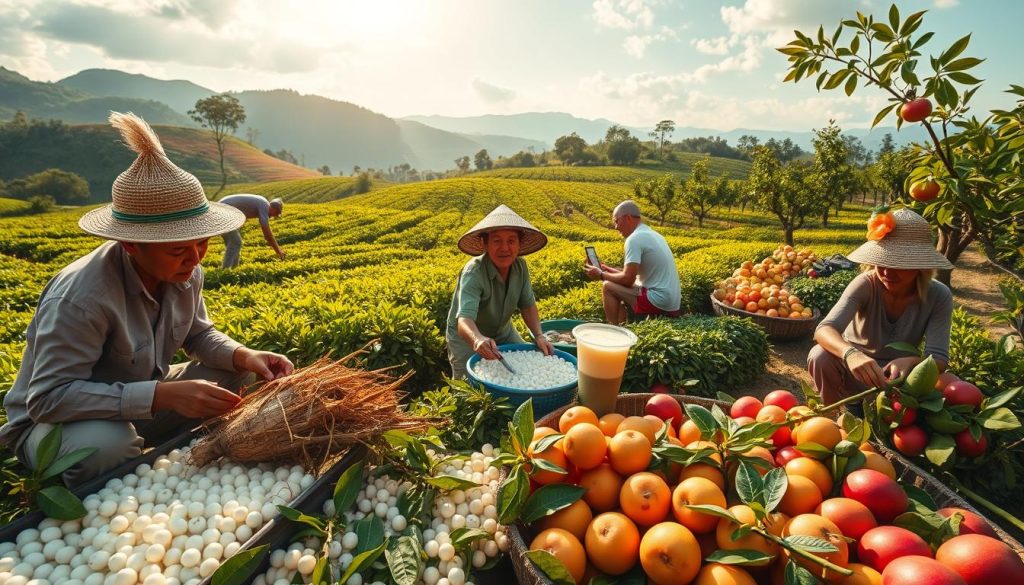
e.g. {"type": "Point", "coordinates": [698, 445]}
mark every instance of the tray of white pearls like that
{"type": "Point", "coordinates": [533, 370]}
{"type": "Point", "coordinates": [165, 522]}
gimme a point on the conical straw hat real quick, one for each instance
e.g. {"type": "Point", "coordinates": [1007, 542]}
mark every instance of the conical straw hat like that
{"type": "Point", "coordinates": [908, 246]}
{"type": "Point", "coordinates": [503, 218]}
{"type": "Point", "coordinates": [154, 200]}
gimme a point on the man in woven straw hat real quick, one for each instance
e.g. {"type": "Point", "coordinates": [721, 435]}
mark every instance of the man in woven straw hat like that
{"type": "Point", "coordinates": [493, 285]}
{"type": "Point", "coordinates": [895, 299]}
{"type": "Point", "coordinates": [100, 344]}
{"type": "Point", "coordinates": [648, 283]}
{"type": "Point", "coordinates": [253, 206]}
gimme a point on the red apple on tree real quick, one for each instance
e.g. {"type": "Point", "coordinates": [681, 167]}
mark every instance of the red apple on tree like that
{"type": "Point", "coordinates": [916, 110]}
{"type": "Point", "coordinates": [967, 446]}
{"type": "Point", "coordinates": [925, 190]}
{"type": "Point", "coordinates": [962, 392]}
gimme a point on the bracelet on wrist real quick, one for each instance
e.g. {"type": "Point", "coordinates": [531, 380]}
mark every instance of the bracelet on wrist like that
{"type": "Point", "coordinates": [846, 354]}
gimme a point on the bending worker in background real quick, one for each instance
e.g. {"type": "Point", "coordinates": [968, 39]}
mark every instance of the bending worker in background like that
{"type": "Point", "coordinates": [252, 206]}
{"type": "Point", "coordinates": [649, 282]}
{"type": "Point", "coordinates": [99, 347]}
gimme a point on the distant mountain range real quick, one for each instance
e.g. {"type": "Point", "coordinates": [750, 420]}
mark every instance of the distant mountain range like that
{"type": "Point", "coordinates": [321, 131]}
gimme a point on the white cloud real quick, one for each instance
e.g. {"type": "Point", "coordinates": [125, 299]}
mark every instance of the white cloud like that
{"type": "Point", "coordinates": [493, 94]}
{"type": "Point", "coordinates": [715, 46]}
{"type": "Point", "coordinates": [946, 3]}
{"type": "Point", "coordinates": [623, 14]}
{"type": "Point", "coordinates": [636, 45]}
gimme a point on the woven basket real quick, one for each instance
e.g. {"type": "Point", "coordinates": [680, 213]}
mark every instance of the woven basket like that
{"type": "Point", "coordinates": [777, 328]}
{"type": "Point", "coordinates": [633, 405]}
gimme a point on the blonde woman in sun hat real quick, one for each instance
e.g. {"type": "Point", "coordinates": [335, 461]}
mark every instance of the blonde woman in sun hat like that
{"type": "Point", "coordinates": [492, 286]}
{"type": "Point", "coordinates": [895, 299]}
{"type": "Point", "coordinates": [100, 344]}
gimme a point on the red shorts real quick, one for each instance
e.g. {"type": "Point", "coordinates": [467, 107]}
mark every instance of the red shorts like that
{"type": "Point", "coordinates": [644, 306]}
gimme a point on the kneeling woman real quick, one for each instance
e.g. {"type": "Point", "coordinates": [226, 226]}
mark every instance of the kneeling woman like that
{"type": "Point", "coordinates": [894, 300]}
{"type": "Point", "coordinates": [492, 287]}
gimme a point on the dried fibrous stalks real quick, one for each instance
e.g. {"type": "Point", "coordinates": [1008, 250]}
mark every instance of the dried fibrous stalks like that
{"type": "Point", "coordinates": [310, 417]}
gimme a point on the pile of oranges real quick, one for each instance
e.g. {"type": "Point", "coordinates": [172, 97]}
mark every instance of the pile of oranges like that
{"type": "Point", "coordinates": [758, 288]}
{"type": "Point", "coordinates": [633, 513]}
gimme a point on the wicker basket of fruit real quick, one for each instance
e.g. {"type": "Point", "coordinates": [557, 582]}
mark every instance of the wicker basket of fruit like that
{"type": "Point", "coordinates": [648, 530]}
{"type": "Point", "coordinates": [777, 328]}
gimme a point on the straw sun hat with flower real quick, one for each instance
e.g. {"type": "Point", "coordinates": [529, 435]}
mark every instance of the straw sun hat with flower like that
{"type": "Point", "coordinates": [900, 239]}
{"type": "Point", "coordinates": [502, 218]}
{"type": "Point", "coordinates": [154, 200]}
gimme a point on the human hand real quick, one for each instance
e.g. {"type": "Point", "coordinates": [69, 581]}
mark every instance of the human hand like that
{"type": "Point", "coordinates": [593, 272]}
{"type": "Point", "coordinates": [543, 344]}
{"type": "Point", "coordinates": [267, 365]}
{"type": "Point", "coordinates": [866, 370]}
{"type": "Point", "coordinates": [194, 398]}
{"type": "Point", "coordinates": [900, 367]}
{"type": "Point", "coordinates": [486, 348]}
{"type": "Point", "coordinates": [607, 268]}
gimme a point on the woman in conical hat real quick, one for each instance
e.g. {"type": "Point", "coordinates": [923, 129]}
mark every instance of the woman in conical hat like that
{"type": "Point", "coordinates": [493, 285]}
{"type": "Point", "coordinates": [100, 344]}
{"type": "Point", "coordinates": [895, 299]}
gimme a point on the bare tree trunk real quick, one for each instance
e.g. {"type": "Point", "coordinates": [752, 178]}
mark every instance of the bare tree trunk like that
{"type": "Point", "coordinates": [223, 173]}
{"type": "Point", "coordinates": [824, 221]}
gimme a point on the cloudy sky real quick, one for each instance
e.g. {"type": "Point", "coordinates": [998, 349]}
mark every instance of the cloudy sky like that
{"type": "Point", "coordinates": [700, 63]}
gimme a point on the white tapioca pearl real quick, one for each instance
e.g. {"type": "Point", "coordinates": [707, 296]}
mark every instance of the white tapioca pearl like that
{"type": "Point", "coordinates": [172, 557]}
{"type": "Point", "coordinates": [214, 550]}
{"type": "Point", "coordinates": [306, 564]}
{"type": "Point", "coordinates": [208, 567]}
{"type": "Point", "coordinates": [190, 558]}
{"type": "Point", "coordinates": [446, 552]}
{"type": "Point", "coordinates": [490, 511]}
{"type": "Point", "coordinates": [126, 576]}
{"type": "Point", "coordinates": [243, 533]}
{"type": "Point", "coordinates": [277, 559]}
{"type": "Point", "coordinates": [137, 560]}
{"type": "Point", "coordinates": [116, 562]}
{"type": "Point", "coordinates": [458, 521]}
{"type": "Point", "coordinates": [291, 559]}
{"type": "Point", "coordinates": [195, 541]}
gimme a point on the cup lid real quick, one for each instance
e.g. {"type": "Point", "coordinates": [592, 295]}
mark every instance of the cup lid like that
{"type": "Point", "coordinates": [604, 335]}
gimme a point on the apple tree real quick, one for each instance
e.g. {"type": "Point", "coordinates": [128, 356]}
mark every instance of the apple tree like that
{"type": "Point", "coordinates": [790, 192]}
{"type": "Point", "coordinates": [975, 163]}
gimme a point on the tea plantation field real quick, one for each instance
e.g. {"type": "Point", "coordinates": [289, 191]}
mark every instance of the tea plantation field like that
{"type": "Point", "coordinates": [383, 265]}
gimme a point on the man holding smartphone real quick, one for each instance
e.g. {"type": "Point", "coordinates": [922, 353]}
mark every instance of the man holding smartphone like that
{"type": "Point", "coordinates": [649, 282]}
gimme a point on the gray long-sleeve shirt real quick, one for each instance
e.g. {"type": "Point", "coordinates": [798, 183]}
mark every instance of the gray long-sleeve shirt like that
{"type": "Point", "coordinates": [253, 206]}
{"type": "Point", "coordinates": [860, 318]}
{"type": "Point", "coordinates": [98, 343]}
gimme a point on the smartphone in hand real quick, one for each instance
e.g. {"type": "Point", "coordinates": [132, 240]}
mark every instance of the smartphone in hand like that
{"type": "Point", "coordinates": [592, 258]}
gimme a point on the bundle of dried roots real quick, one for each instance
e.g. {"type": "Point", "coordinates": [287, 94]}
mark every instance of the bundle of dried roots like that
{"type": "Point", "coordinates": [311, 417]}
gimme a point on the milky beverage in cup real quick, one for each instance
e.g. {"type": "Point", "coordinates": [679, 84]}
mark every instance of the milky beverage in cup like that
{"type": "Point", "coordinates": [601, 352]}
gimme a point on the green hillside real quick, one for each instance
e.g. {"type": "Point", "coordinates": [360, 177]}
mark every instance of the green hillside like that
{"type": "Point", "coordinates": [316, 190]}
{"type": "Point", "coordinates": [736, 169]}
{"type": "Point", "coordinates": [12, 206]}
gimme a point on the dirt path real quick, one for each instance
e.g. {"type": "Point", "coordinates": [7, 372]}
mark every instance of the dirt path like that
{"type": "Point", "coordinates": [975, 288]}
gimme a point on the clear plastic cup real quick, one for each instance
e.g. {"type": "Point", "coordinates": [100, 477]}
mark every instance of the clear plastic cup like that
{"type": "Point", "coordinates": [601, 351]}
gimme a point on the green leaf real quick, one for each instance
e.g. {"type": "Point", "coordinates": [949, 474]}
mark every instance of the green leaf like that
{"type": "Point", "coordinates": [920, 499]}
{"type": "Point", "coordinates": [347, 489]}
{"type": "Point", "coordinates": [797, 575]}
{"type": "Point", "coordinates": [1001, 398]}
{"type": "Point", "coordinates": [882, 114]}
{"type": "Point", "coordinates": [546, 465]}
{"type": "Point", "coordinates": [749, 484]}
{"type": "Point", "coordinates": [713, 510]}
{"type": "Point", "coordinates": [726, 398]}
{"type": "Point", "coordinates": [940, 448]}
{"type": "Point", "coordinates": [549, 499]}
{"type": "Point", "coordinates": [297, 516]}
{"type": "Point", "coordinates": [237, 569]}
{"type": "Point", "coordinates": [702, 417]}
{"type": "Point", "coordinates": [322, 574]}
{"type": "Point", "coordinates": [461, 538]}
{"type": "Point", "coordinates": [894, 17]}
{"type": "Point", "coordinates": [398, 439]}
{"type": "Point", "coordinates": [404, 560]}
{"type": "Point", "coordinates": [66, 461]}
{"type": "Point", "coordinates": [370, 532]}
{"type": "Point", "coordinates": [922, 40]}
{"type": "Point", "coordinates": [512, 494]}
{"type": "Point", "coordinates": [811, 543]}
{"type": "Point", "coordinates": [999, 419]}
{"type": "Point", "coordinates": [739, 557]}
{"type": "Point", "coordinates": [450, 482]}
{"type": "Point", "coordinates": [851, 85]}
{"type": "Point", "coordinates": [48, 448]}
{"type": "Point", "coordinates": [544, 442]}
{"type": "Point", "coordinates": [522, 423]}
{"type": "Point", "coordinates": [904, 347]}
{"type": "Point", "coordinates": [955, 49]}
{"type": "Point", "coordinates": [363, 560]}
{"type": "Point", "coordinates": [814, 450]}
{"type": "Point", "coordinates": [775, 484]}
{"type": "Point", "coordinates": [56, 501]}
{"type": "Point", "coordinates": [550, 566]}
{"type": "Point", "coordinates": [964, 78]}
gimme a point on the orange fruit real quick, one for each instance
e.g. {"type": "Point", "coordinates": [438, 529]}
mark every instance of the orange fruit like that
{"type": "Point", "coordinates": [696, 491]}
{"type": "Point", "coordinates": [719, 574]}
{"type": "Point", "coordinates": [566, 548]}
{"type": "Point", "coordinates": [639, 424]}
{"type": "Point", "coordinates": [669, 554]}
{"type": "Point", "coordinates": [629, 451]}
{"type": "Point", "coordinates": [657, 424]}
{"type": "Point", "coordinates": [575, 416]}
{"type": "Point", "coordinates": [754, 453]}
{"type": "Point", "coordinates": [584, 445]}
{"type": "Point", "coordinates": [613, 543]}
{"type": "Point", "coordinates": [645, 498]}
{"type": "Point", "coordinates": [801, 497]}
{"type": "Point", "coordinates": [825, 529]}
{"type": "Point", "coordinates": [541, 432]}
{"type": "Point", "coordinates": [820, 430]}
{"type": "Point", "coordinates": [862, 575]}
{"type": "Point", "coordinates": [813, 470]}
{"type": "Point", "coordinates": [879, 463]}
{"type": "Point", "coordinates": [697, 445]}
{"type": "Point", "coordinates": [743, 513]}
{"type": "Point", "coordinates": [603, 486]}
{"type": "Point", "coordinates": [574, 519]}
{"type": "Point", "coordinates": [609, 423]}
{"type": "Point", "coordinates": [706, 471]}
{"type": "Point", "coordinates": [867, 447]}
{"type": "Point", "coordinates": [552, 454]}
{"type": "Point", "coordinates": [688, 432]}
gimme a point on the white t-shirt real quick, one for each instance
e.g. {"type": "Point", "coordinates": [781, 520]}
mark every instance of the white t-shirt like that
{"type": "Point", "coordinates": [657, 273]}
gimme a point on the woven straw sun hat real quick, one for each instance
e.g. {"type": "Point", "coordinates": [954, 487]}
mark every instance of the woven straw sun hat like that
{"type": "Point", "coordinates": [502, 218]}
{"type": "Point", "coordinates": [908, 246]}
{"type": "Point", "coordinates": [154, 200]}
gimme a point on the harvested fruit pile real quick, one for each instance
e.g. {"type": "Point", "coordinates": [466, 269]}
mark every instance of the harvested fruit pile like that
{"type": "Point", "coordinates": [767, 493]}
{"type": "Point", "coordinates": [758, 288]}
